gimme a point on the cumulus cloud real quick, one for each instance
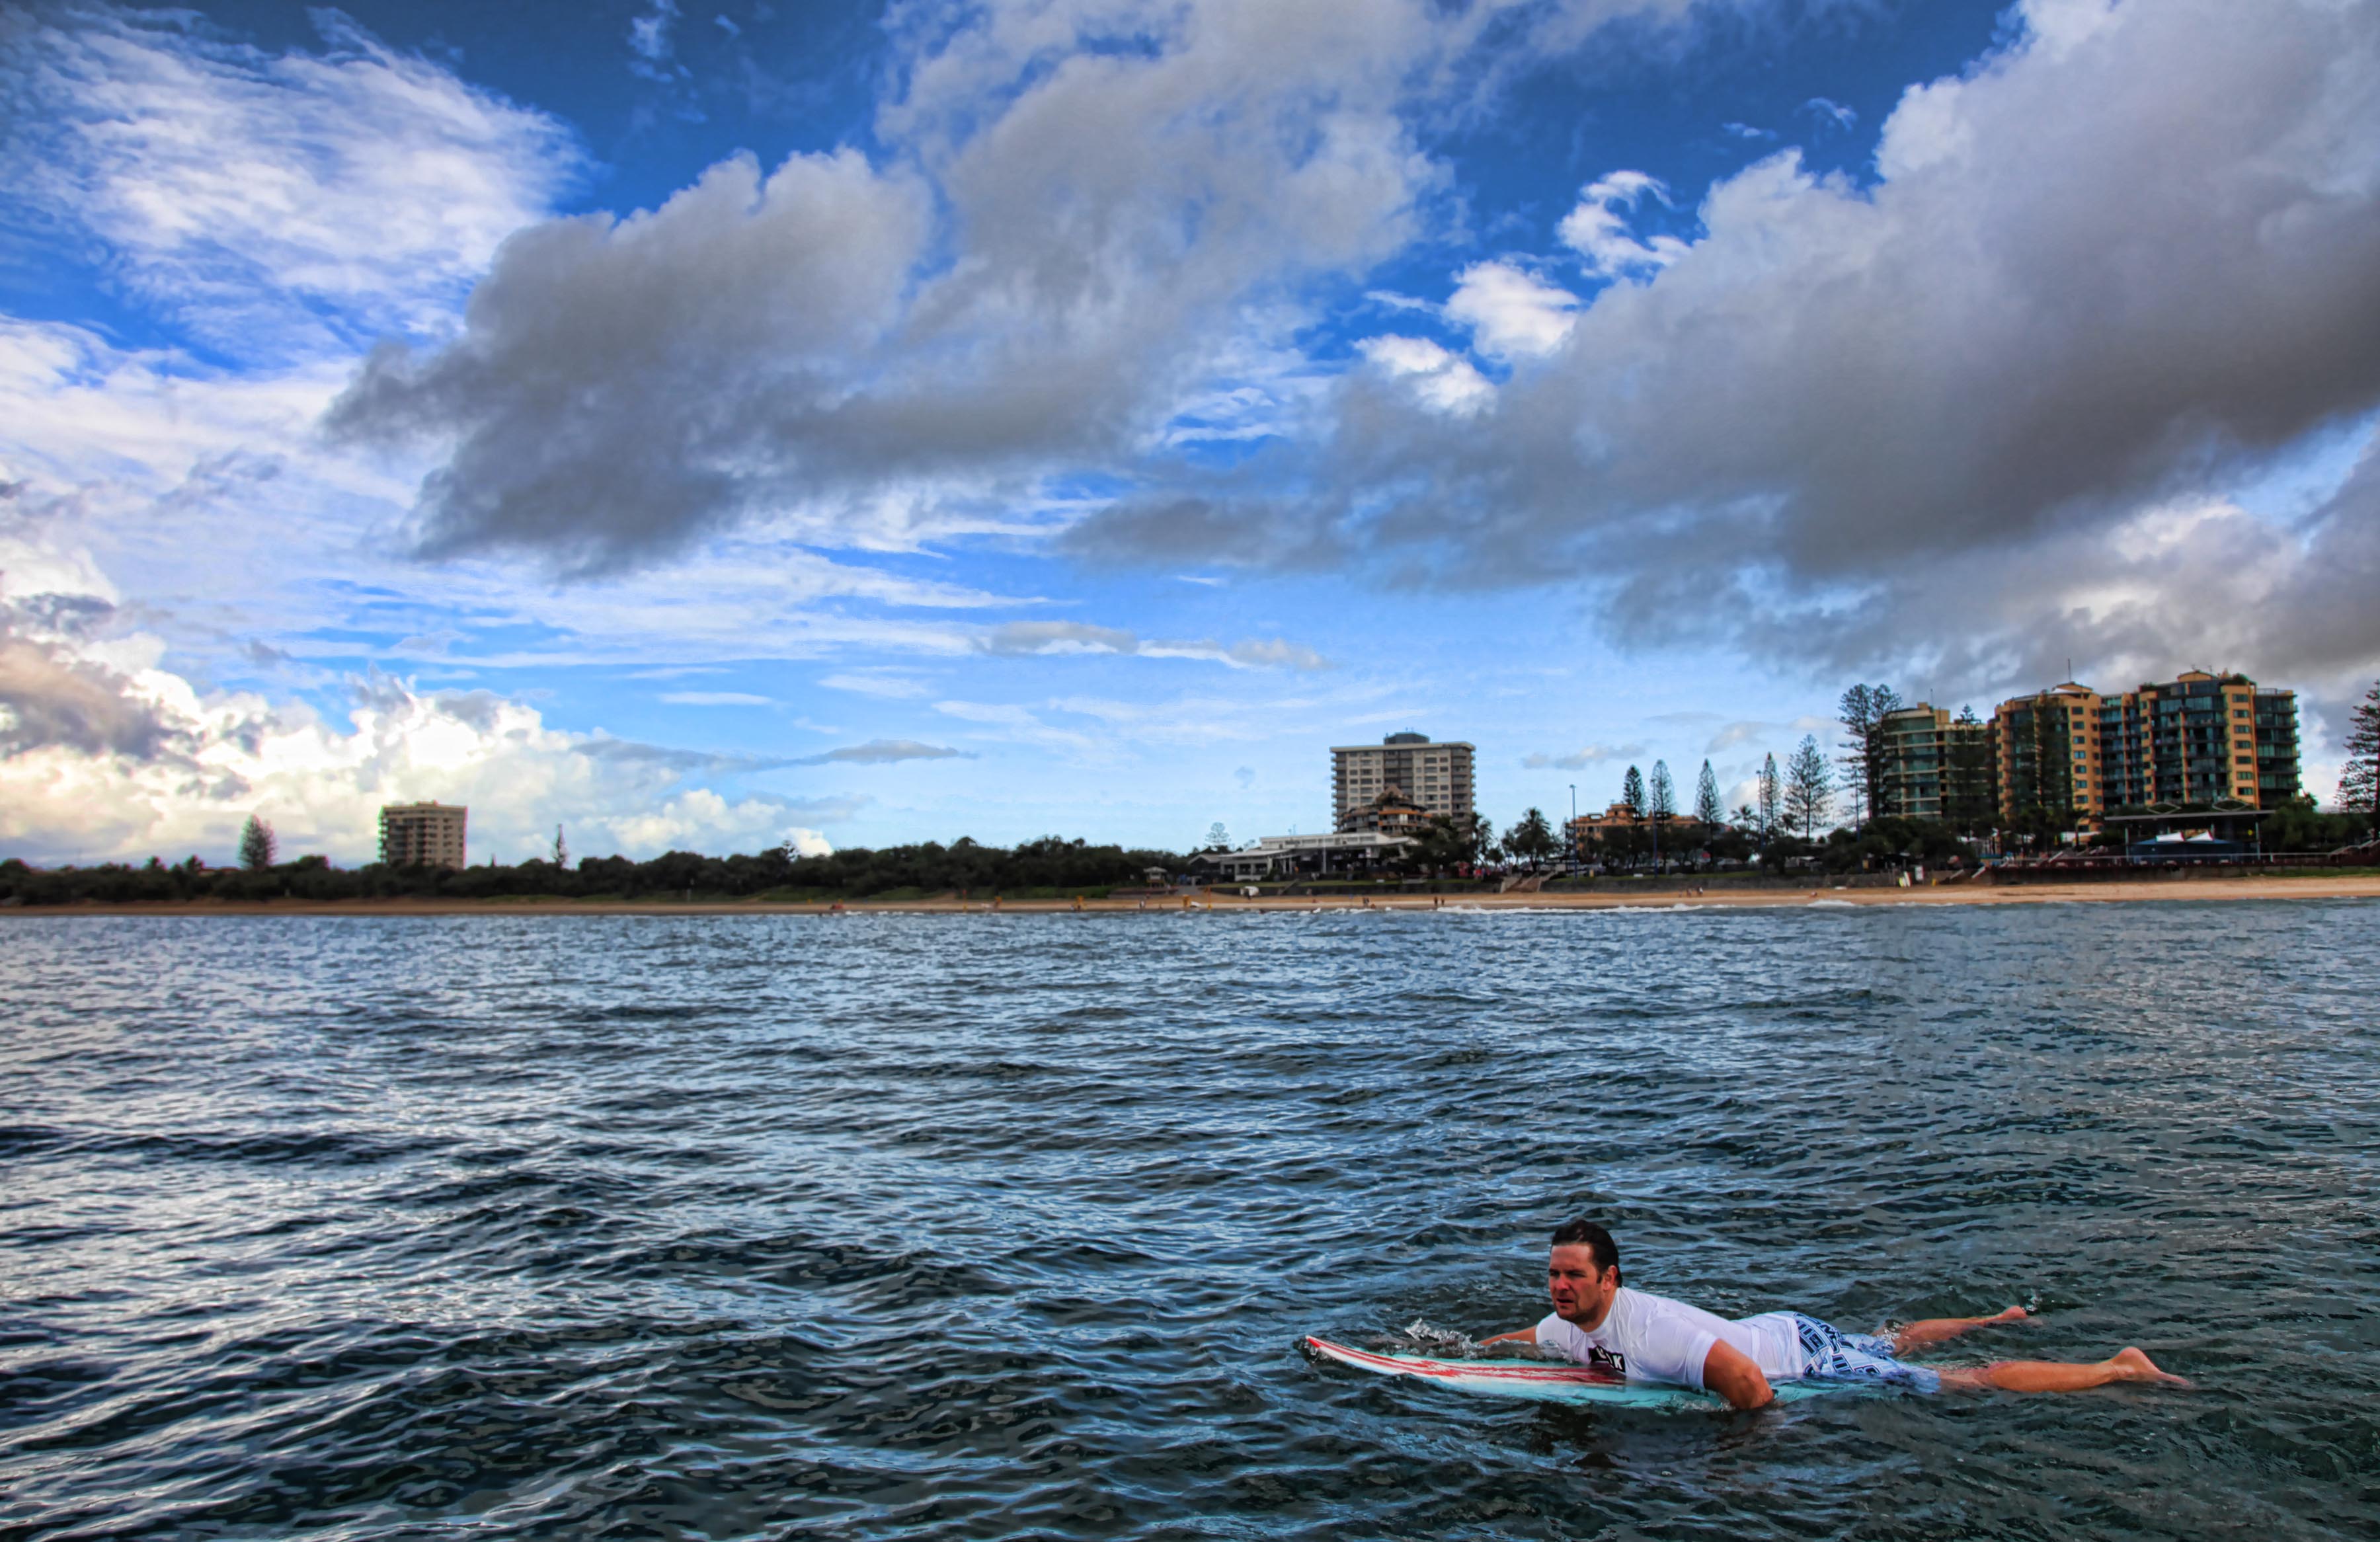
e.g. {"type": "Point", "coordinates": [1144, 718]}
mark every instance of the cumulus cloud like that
{"type": "Point", "coordinates": [1436, 375]}
{"type": "Point", "coordinates": [2135, 251]}
{"type": "Point", "coordinates": [884, 752]}
{"type": "Point", "coordinates": [52, 699]}
{"type": "Point", "coordinates": [1509, 310]}
{"type": "Point", "coordinates": [103, 755]}
{"type": "Point", "coordinates": [1064, 245]}
{"type": "Point", "coordinates": [1579, 759]}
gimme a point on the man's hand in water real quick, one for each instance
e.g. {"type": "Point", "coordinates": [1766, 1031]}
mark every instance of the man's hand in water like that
{"type": "Point", "coordinates": [1729, 1372]}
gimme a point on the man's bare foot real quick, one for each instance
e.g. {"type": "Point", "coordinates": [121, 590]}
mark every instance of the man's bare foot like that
{"type": "Point", "coordinates": [2130, 1364]}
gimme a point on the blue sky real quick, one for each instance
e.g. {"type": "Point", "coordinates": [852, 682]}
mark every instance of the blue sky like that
{"type": "Point", "coordinates": [716, 425]}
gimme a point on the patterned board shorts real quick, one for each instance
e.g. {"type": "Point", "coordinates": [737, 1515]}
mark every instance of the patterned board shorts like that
{"type": "Point", "coordinates": [1831, 1354]}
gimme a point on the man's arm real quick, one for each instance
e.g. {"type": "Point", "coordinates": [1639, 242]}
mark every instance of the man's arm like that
{"type": "Point", "coordinates": [1729, 1372]}
{"type": "Point", "coordinates": [1526, 1336]}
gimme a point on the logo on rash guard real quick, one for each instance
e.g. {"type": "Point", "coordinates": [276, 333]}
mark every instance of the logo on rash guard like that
{"type": "Point", "coordinates": [1609, 1361]}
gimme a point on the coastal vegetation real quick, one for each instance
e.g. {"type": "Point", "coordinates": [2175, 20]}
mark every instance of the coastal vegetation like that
{"type": "Point", "coordinates": [1050, 866]}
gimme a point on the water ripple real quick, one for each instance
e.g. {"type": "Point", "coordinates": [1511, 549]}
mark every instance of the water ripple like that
{"type": "Point", "coordinates": [977, 1226]}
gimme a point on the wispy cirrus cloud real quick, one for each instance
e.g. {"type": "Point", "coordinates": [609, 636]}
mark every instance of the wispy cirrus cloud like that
{"type": "Point", "coordinates": [1026, 638]}
{"type": "Point", "coordinates": [276, 204]}
{"type": "Point", "coordinates": [884, 752]}
{"type": "Point", "coordinates": [1580, 759]}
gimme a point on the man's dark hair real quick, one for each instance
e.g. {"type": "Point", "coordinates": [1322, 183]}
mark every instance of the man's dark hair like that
{"type": "Point", "coordinates": [1587, 1235]}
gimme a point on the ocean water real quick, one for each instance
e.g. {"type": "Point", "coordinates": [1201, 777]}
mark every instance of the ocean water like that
{"type": "Point", "coordinates": [988, 1227]}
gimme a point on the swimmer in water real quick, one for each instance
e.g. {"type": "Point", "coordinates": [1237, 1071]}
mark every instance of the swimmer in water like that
{"type": "Point", "coordinates": [1603, 1325]}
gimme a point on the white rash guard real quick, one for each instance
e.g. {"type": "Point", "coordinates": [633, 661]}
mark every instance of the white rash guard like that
{"type": "Point", "coordinates": [1651, 1338]}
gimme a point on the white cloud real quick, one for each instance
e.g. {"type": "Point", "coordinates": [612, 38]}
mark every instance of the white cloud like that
{"type": "Point", "coordinates": [273, 203]}
{"type": "Point", "coordinates": [1509, 310]}
{"type": "Point", "coordinates": [1830, 113]}
{"type": "Point", "coordinates": [1019, 639]}
{"type": "Point", "coordinates": [893, 688]}
{"type": "Point", "coordinates": [153, 766]}
{"type": "Point", "coordinates": [716, 698]}
{"type": "Point", "coordinates": [1443, 380]}
{"type": "Point", "coordinates": [1579, 759]}
{"type": "Point", "coordinates": [649, 32]}
{"type": "Point", "coordinates": [1598, 229]}
{"type": "Point", "coordinates": [1855, 423]}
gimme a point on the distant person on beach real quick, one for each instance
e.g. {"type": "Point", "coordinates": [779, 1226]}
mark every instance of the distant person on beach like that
{"type": "Point", "coordinates": [1601, 1324]}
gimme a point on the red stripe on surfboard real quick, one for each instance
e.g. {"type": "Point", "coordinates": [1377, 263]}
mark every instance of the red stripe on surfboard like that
{"type": "Point", "coordinates": [1475, 1369]}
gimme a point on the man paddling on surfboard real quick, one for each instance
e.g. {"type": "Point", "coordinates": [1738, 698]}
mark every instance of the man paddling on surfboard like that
{"type": "Point", "coordinates": [1601, 1324]}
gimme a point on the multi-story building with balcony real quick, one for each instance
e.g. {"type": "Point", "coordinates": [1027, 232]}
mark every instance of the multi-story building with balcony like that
{"type": "Point", "coordinates": [2194, 741]}
{"type": "Point", "coordinates": [422, 835]}
{"type": "Point", "coordinates": [1433, 776]}
{"type": "Point", "coordinates": [1935, 767]}
{"type": "Point", "coordinates": [2200, 739]}
{"type": "Point", "coordinates": [2047, 754]}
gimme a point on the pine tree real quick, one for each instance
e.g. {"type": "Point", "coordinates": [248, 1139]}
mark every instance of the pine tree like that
{"type": "Point", "coordinates": [256, 845]}
{"type": "Point", "coordinates": [1809, 787]}
{"type": "Point", "coordinates": [1706, 804]}
{"type": "Point", "coordinates": [1632, 792]}
{"type": "Point", "coordinates": [1862, 712]}
{"type": "Point", "coordinates": [2359, 778]}
{"type": "Point", "coordinates": [561, 849]}
{"type": "Point", "coordinates": [1968, 800]}
{"type": "Point", "coordinates": [1772, 799]}
{"type": "Point", "coordinates": [1663, 791]}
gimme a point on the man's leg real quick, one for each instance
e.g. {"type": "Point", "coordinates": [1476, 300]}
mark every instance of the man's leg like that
{"type": "Point", "coordinates": [2056, 1375]}
{"type": "Point", "coordinates": [1933, 1331]}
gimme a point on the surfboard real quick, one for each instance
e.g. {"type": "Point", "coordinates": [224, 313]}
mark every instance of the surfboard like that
{"type": "Point", "coordinates": [1537, 1380]}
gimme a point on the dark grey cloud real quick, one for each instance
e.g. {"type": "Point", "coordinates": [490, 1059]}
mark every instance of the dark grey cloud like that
{"type": "Point", "coordinates": [881, 752]}
{"type": "Point", "coordinates": [1040, 271]}
{"type": "Point", "coordinates": [2133, 256]}
{"type": "Point", "coordinates": [1021, 637]}
{"type": "Point", "coordinates": [50, 698]}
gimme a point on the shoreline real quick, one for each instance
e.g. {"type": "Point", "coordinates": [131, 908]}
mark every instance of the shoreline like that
{"type": "Point", "coordinates": [2104, 892]}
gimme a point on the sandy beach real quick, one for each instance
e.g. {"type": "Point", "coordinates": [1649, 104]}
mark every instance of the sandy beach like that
{"type": "Point", "coordinates": [2309, 887]}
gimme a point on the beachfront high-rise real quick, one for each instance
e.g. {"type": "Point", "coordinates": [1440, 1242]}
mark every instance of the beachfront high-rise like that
{"type": "Point", "coordinates": [1936, 766]}
{"type": "Point", "coordinates": [2198, 739]}
{"type": "Point", "coordinates": [422, 835]}
{"type": "Point", "coordinates": [2193, 741]}
{"type": "Point", "coordinates": [2047, 753]}
{"type": "Point", "coordinates": [1435, 776]}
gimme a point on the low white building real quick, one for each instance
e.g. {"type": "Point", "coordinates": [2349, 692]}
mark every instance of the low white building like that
{"type": "Point", "coordinates": [1307, 855]}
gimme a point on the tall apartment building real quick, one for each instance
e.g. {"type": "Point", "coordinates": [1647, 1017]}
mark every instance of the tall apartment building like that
{"type": "Point", "coordinates": [2195, 740]}
{"type": "Point", "coordinates": [422, 835]}
{"type": "Point", "coordinates": [2200, 738]}
{"type": "Point", "coordinates": [1435, 776]}
{"type": "Point", "coordinates": [2048, 752]}
{"type": "Point", "coordinates": [1935, 767]}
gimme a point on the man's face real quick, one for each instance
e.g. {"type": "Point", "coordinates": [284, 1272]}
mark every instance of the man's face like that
{"type": "Point", "coordinates": [1581, 1292]}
